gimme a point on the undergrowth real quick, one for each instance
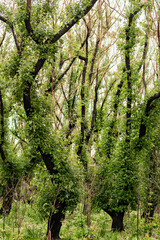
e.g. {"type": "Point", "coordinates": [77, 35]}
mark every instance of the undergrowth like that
{"type": "Point", "coordinates": [24, 223]}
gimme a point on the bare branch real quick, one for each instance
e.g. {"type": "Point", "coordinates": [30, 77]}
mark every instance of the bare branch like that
{"type": "Point", "coordinates": [16, 134]}
{"type": "Point", "coordinates": [94, 111]}
{"type": "Point", "coordinates": [59, 120]}
{"type": "Point", "coordinates": [67, 69]}
{"type": "Point", "coordinates": [104, 100]}
{"type": "Point", "coordinates": [93, 59]}
{"type": "Point", "coordinates": [16, 40]}
{"type": "Point", "coordinates": [64, 94]}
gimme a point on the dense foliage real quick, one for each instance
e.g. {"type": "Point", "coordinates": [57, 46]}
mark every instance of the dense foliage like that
{"type": "Point", "coordinates": [79, 108]}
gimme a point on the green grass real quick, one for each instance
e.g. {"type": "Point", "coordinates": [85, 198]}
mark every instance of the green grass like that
{"type": "Point", "coordinates": [75, 227]}
{"type": "Point", "coordinates": [26, 220]}
{"type": "Point", "coordinates": [32, 227]}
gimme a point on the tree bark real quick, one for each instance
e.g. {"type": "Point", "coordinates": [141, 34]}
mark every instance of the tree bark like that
{"type": "Point", "coordinates": [10, 185]}
{"type": "Point", "coordinates": [7, 200]}
{"type": "Point", "coordinates": [117, 220]}
{"type": "Point", "coordinates": [152, 191]}
{"type": "Point", "coordinates": [149, 211]}
{"type": "Point", "coordinates": [55, 222]}
{"type": "Point", "coordinates": [6, 206]}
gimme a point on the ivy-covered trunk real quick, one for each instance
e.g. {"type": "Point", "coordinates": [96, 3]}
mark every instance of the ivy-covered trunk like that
{"type": "Point", "coordinates": [55, 222]}
{"type": "Point", "coordinates": [117, 220]}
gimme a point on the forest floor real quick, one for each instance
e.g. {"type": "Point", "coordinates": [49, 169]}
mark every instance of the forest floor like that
{"type": "Point", "coordinates": [24, 223]}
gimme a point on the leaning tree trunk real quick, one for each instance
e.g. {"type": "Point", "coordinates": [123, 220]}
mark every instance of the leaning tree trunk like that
{"type": "Point", "coordinates": [117, 220]}
{"type": "Point", "coordinates": [55, 221]}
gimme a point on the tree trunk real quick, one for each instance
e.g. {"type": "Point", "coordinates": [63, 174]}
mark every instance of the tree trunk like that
{"type": "Point", "coordinates": [7, 203]}
{"type": "Point", "coordinates": [149, 211]}
{"type": "Point", "coordinates": [152, 209]}
{"type": "Point", "coordinates": [55, 222]}
{"type": "Point", "coordinates": [117, 220]}
{"type": "Point", "coordinates": [152, 191]}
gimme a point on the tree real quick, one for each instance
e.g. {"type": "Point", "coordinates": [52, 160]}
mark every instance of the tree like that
{"type": "Point", "coordinates": [36, 32]}
{"type": "Point", "coordinates": [71, 87]}
{"type": "Point", "coordinates": [77, 93]}
{"type": "Point", "coordinates": [117, 178]}
{"type": "Point", "coordinates": [149, 148]}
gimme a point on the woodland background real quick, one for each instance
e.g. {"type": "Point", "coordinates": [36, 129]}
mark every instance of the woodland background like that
{"type": "Point", "coordinates": [79, 119]}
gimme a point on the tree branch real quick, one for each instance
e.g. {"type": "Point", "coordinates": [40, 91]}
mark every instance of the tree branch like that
{"type": "Point", "coordinates": [83, 105]}
{"type": "Point", "coordinates": [149, 107]}
{"type": "Point", "coordinates": [16, 39]}
{"type": "Point", "coordinates": [111, 133]}
{"type": "Point", "coordinates": [13, 31]}
{"type": "Point", "coordinates": [27, 90]}
{"type": "Point", "coordinates": [4, 34]}
{"type": "Point", "coordinates": [93, 59]}
{"type": "Point", "coordinates": [82, 58]}
{"type": "Point", "coordinates": [128, 48]}
{"type": "Point", "coordinates": [94, 111]}
{"type": "Point", "coordinates": [70, 24]}
{"type": "Point", "coordinates": [16, 134]}
{"type": "Point", "coordinates": [28, 22]}
{"type": "Point", "coordinates": [2, 127]}
{"type": "Point", "coordinates": [47, 158]}
{"type": "Point", "coordinates": [3, 19]}
{"type": "Point", "coordinates": [104, 100]}
{"type": "Point", "coordinates": [67, 69]}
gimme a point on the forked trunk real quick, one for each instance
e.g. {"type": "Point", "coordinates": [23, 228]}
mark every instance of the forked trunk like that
{"type": "Point", "coordinates": [55, 222]}
{"type": "Point", "coordinates": [117, 220]}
